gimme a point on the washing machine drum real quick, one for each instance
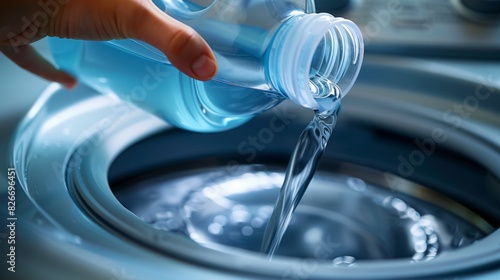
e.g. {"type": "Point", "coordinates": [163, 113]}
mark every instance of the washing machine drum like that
{"type": "Point", "coordinates": [407, 189]}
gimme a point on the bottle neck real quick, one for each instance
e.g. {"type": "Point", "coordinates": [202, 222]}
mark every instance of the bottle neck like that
{"type": "Point", "coordinates": [313, 57]}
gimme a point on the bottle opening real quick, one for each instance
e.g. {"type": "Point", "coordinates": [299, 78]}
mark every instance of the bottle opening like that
{"type": "Point", "coordinates": [326, 63]}
{"type": "Point", "coordinates": [315, 56]}
{"type": "Point", "coordinates": [325, 59]}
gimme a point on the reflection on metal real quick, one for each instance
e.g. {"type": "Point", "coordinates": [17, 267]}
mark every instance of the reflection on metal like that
{"type": "Point", "coordinates": [215, 209]}
{"type": "Point", "coordinates": [405, 186]}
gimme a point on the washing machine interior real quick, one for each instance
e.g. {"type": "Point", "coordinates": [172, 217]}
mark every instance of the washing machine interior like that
{"type": "Point", "coordinates": [400, 187]}
{"type": "Point", "coordinates": [408, 188]}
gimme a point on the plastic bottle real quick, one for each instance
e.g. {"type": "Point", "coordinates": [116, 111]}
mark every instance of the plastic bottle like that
{"type": "Point", "coordinates": [267, 51]}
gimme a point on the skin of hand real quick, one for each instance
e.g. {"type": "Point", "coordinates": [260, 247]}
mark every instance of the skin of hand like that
{"type": "Point", "coordinates": [25, 21]}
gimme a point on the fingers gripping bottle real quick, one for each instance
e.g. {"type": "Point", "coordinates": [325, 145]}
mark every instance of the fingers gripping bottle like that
{"type": "Point", "coordinates": [267, 51]}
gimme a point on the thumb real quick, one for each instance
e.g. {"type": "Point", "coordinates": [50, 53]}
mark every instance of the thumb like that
{"type": "Point", "coordinates": [183, 46]}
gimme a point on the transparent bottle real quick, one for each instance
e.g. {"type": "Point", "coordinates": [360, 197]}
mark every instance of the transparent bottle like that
{"type": "Point", "coordinates": [267, 51]}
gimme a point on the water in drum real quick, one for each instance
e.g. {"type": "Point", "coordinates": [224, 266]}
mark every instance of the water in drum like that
{"type": "Point", "coordinates": [340, 219]}
{"type": "Point", "coordinates": [303, 162]}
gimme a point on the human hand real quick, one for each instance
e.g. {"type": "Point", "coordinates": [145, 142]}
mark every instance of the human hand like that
{"type": "Point", "coordinates": [25, 21]}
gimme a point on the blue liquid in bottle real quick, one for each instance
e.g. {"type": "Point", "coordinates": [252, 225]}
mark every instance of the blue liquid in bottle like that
{"type": "Point", "coordinates": [267, 51]}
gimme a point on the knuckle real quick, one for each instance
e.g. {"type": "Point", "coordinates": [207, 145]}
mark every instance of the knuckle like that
{"type": "Point", "coordinates": [180, 40]}
{"type": "Point", "coordinates": [132, 19]}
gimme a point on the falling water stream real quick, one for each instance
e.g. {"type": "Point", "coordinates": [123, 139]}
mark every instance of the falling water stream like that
{"type": "Point", "coordinates": [302, 165]}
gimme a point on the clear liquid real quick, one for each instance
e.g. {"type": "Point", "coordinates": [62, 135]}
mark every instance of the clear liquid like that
{"type": "Point", "coordinates": [340, 219]}
{"type": "Point", "coordinates": [301, 168]}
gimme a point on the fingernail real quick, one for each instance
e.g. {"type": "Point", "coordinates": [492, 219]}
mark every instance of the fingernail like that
{"type": "Point", "coordinates": [69, 86]}
{"type": "Point", "coordinates": [68, 81]}
{"type": "Point", "coordinates": [204, 67]}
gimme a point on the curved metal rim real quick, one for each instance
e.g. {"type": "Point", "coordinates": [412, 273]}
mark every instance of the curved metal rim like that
{"type": "Point", "coordinates": [98, 198]}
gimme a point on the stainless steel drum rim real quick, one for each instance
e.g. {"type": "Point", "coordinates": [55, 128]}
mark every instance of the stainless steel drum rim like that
{"type": "Point", "coordinates": [344, 217]}
{"type": "Point", "coordinates": [101, 202]}
{"type": "Point", "coordinates": [81, 162]}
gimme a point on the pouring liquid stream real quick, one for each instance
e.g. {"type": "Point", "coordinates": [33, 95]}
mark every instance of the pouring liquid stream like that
{"type": "Point", "coordinates": [303, 162]}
